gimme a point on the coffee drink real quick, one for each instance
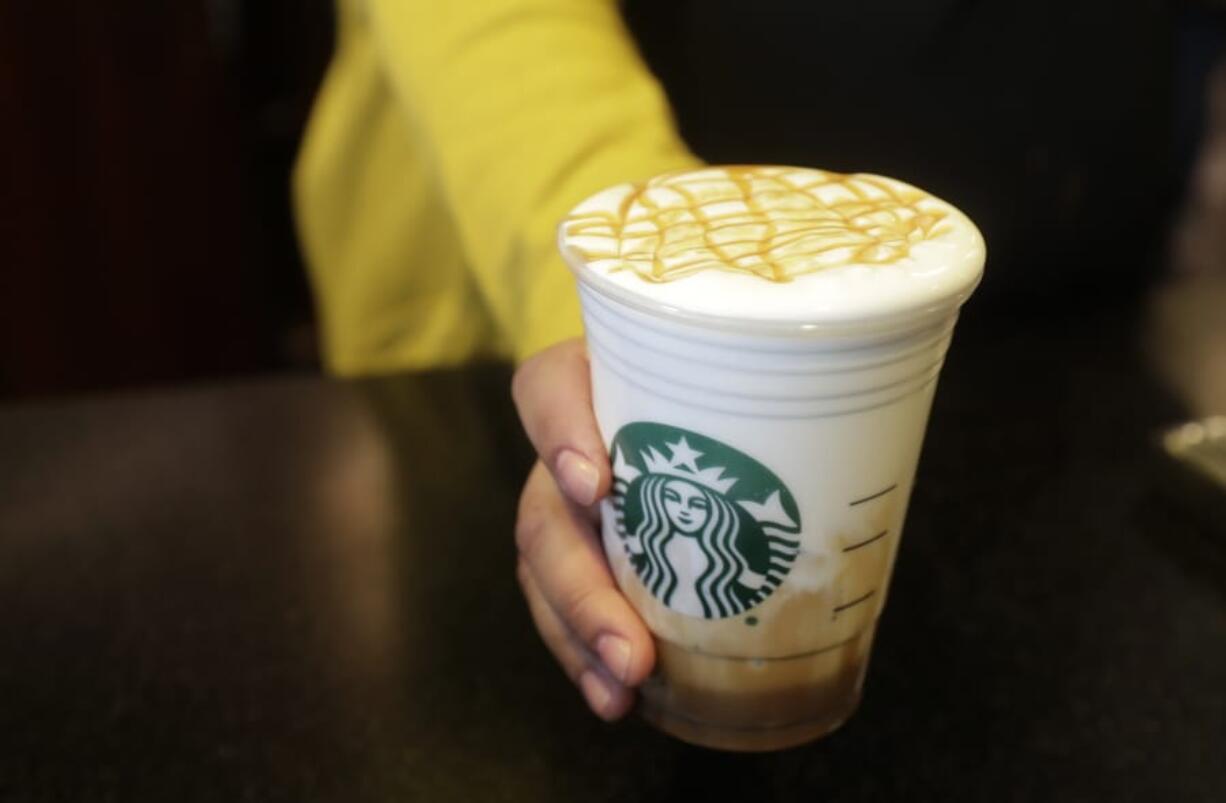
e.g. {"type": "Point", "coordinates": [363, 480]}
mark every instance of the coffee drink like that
{"type": "Point", "coordinates": [765, 343]}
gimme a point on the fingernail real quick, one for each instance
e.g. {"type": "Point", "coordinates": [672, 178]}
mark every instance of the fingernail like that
{"type": "Point", "coordinates": [615, 653]}
{"type": "Point", "coordinates": [595, 690]}
{"type": "Point", "coordinates": [578, 476]}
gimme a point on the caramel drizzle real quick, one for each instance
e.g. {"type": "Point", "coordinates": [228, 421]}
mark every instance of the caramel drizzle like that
{"type": "Point", "coordinates": [780, 230]}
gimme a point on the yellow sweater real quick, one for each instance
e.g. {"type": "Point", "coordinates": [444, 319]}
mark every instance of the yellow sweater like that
{"type": "Point", "coordinates": [447, 141]}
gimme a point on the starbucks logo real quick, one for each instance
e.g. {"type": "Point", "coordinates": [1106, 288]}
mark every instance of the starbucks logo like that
{"type": "Point", "coordinates": [710, 531]}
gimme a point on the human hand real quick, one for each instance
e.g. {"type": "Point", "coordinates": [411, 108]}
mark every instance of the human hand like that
{"type": "Point", "coordinates": [587, 624]}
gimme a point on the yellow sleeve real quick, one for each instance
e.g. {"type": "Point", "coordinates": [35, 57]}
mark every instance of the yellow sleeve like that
{"type": "Point", "coordinates": [525, 107]}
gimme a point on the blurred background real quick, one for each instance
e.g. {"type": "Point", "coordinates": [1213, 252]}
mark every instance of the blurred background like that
{"type": "Point", "coordinates": [145, 228]}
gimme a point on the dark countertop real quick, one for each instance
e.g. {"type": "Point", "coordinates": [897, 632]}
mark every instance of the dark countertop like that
{"type": "Point", "coordinates": [299, 589]}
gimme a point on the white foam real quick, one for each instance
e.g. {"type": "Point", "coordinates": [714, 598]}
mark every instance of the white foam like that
{"type": "Point", "coordinates": [607, 242]}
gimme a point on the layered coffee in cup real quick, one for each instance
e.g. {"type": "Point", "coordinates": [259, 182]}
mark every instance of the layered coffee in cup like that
{"type": "Point", "coordinates": [765, 344]}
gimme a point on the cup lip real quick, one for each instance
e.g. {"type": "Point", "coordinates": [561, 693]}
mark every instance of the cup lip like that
{"type": "Point", "coordinates": [905, 317]}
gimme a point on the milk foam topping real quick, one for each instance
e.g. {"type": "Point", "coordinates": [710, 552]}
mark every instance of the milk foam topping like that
{"type": "Point", "coordinates": [747, 245]}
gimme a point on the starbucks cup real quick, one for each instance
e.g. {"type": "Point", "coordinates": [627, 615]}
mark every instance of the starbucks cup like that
{"type": "Point", "coordinates": [765, 344]}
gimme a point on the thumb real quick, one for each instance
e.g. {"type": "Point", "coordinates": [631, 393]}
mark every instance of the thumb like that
{"type": "Point", "coordinates": [552, 391]}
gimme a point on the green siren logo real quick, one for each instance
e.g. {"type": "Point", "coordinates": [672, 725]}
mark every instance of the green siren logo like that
{"type": "Point", "coordinates": [710, 531]}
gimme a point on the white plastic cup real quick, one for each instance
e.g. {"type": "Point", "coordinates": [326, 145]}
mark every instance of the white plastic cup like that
{"type": "Point", "coordinates": [761, 481]}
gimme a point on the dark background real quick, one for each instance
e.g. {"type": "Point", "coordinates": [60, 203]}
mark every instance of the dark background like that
{"type": "Point", "coordinates": [145, 232]}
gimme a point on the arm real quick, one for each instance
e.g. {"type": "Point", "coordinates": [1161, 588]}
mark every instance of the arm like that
{"type": "Point", "coordinates": [526, 107]}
